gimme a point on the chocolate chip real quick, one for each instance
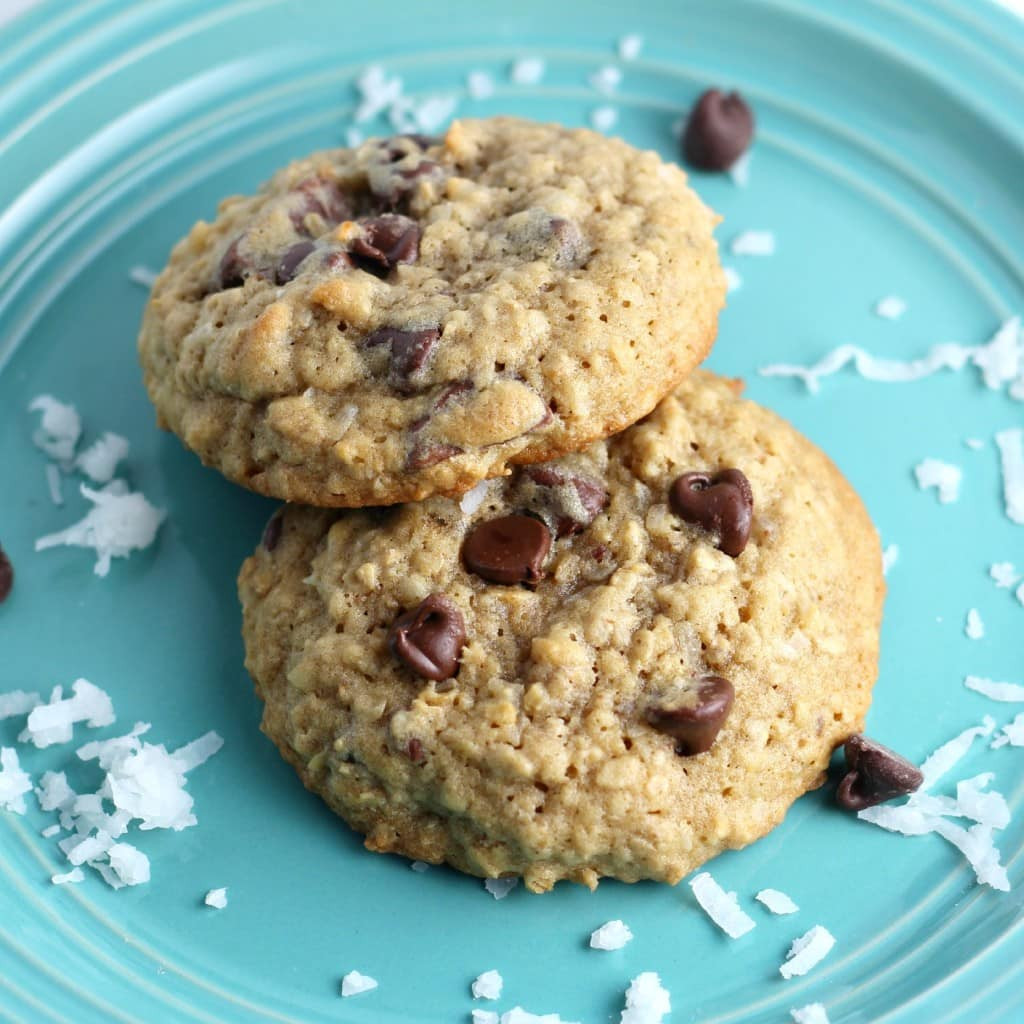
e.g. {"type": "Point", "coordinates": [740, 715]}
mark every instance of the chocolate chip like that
{"type": "Point", "coordinates": [695, 719]}
{"type": "Point", "coordinates": [719, 131]}
{"type": "Point", "coordinates": [320, 196]}
{"type": "Point", "coordinates": [451, 392]}
{"type": "Point", "coordinates": [509, 549]}
{"type": "Point", "coordinates": [426, 453]}
{"type": "Point", "coordinates": [874, 774]}
{"type": "Point", "coordinates": [337, 259]}
{"type": "Point", "coordinates": [572, 510]}
{"type": "Point", "coordinates": [414, 751]}
{"type": "Point", "coordinates": [385, 242]}
{"type": "Point", "coordinates": [722, 503]}
{"type": "Point", "coordinates": [6, 576]}
{"type": "Point", "coordinates": [398, 165]}
{"type": "Point", "coordinates": [272, 531]}
{"type": "Point", "coordinates": [409, 353]}
{"type": "Point", "coordinates": [429, 639]}
{"type": "Point", "coordinates": [289, 262]}
{"type": "Point", "coordinates": [232, 267]}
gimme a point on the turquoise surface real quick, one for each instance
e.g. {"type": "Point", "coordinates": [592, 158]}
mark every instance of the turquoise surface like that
{"type": "Point", "coordinates": [889, 159]}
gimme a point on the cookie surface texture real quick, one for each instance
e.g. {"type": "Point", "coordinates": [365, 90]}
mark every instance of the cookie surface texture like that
{"type": "Point", "coordinates": [408, 318]}
{"type": "Point", "coordinates": [550, 752]}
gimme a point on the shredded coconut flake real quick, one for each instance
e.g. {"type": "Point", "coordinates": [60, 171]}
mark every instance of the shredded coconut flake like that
{"type": "Point", "coordinates": [630, 46]}
{"type": "Point", "coordinates": [354, 984]}
{"type": "Point", "coordinates": [647, 1001]}
{"type": "Point", "coordinates": [974, 627]}
{"type": "Point", "coordinates": [889, 558]}
{"type": "Point", "coordinates": [812, 1013]}
{"type": "Point", "coordinates": [50, 831]}
{"type": "Point", "coordinates": [353, 137]}
{"type": "Point", "coordinates": [974, 800]}
{"type": "Point", "coordinates": [474, 497]}
{"type": "Point", "coordinates": [54, 484]}
{"type": "Point", "coordinates": [777, 902]}
{"type": "Point", "coordinates": [612, 935]}
{"type": "Point", "coordinates": [606, 79]}
{"type": "Point", "coordinates": [1004, 574]}
{"type": "Point", "coordinates": [217, 898]}
{"type": "Point", "coordinates": [129, 864]}
{"type": "Point", "coordinates": [1011, 734]}
{"type": "Point", "coordinates": [949, 754]}
{"type": "Point", "coordinates": [807, 951]}
{"type": "Point", "coordinates": [1019, 593]}
{"type": "Point", "coordinates": [753, 243]}
{"type": "Point", "coordinates": [480, 85]}
{"type": "Point", "coordinates": [100, 459]}
{"type": "Point", "coordinates": [54, 722]}
{"type": "Point", "coordinates": [14, 783]}
{"type": "Point", "coordinates": [892, 307]}
{"type": "Point", "coordinates": [739, 172]}
{"type": "Point", "coordinates": [488, 985]}
{"type": "Point", "coordinates": [1011, 455]}
{"type": "Point", "coordinates": [974, 443]}
{"type": "Point", "coordinates": [499, 888]}
{"type": "Point", "coordinates": [721, 906]}
{"type": "Point", "coordinates": [116, 525]}
{"type": "Point", "coordinates": [419, 866]}
{"type": "Point", "coordinates": [1000, 360]}
{"type": "Point", "coordinates": [485, 1017]}
{"type": "Point", "coordinates": [527, 71]}
{"type": "Point", "coordinates": [733, 280]}
{"type": "Point", "coordinates": [73, 876]}
{"type": "Point", "coordinates": [1009, 692]}
{"type": "Point", "coordinates": [59, 429]}
{"type": "Point", "coordinates": [517, 1015]}
{"type": "Point", "coordinates": [17, 702]}
{"type": "Point", "coordinates": [198, 752]}
{"type": "Point", "coordinates": [143, 276]}
{"type": "Point", "coordinates": [377, 92]}
{"type": "Point", "coordinates": [943, 476]}
{"type": "Point", "coordinates": [602, 119]}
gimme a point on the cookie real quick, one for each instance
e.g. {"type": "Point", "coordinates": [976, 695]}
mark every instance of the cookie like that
{"type": "Point", "coordinates": [617, 664]}
{"type": "Point", "coordinates": [408, 318]}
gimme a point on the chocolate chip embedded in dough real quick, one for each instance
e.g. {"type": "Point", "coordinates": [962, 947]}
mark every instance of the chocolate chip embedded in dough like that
{"type": "Point", "coordinates": [695, 716]}
{"type": "Point", "coordinates": [385, 242]}
{"type": "Point", "coordinates": [874, 774]}
{"type": "Point", "coordinates": [272, 531]}
{"type": "Point", "coordinates": [288, 265]}
{"type": "Point", "coordinates": [571, 501]}
{"type": "Point", "coordinates": [509, 549]}
{"type": "Point", "coordinates": [721, 503]}
{"type": "Point", "coordinates": [409, 353]}
{"type": "Point", "coordinates": [429, 639]}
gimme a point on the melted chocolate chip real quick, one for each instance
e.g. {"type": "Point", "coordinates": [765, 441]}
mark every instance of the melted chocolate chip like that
{"type": "Point", "coordinates": [320, 196]}
{"type": "Point", "coordinates": [722, 503]}
{"type": "Point", "coordinates": [429, 639]}
{"type": "Point", "coordinates": [719, 131]}
{"type": "Point", "coordinates": [573, 511]}
{"type": "Point", "coordinates": [409, 353]}
{"type": "Point", "coordinates": [337, 259]}
{"type": "Point", "coordinates": [6, 576]}
{"type": "Point", "coordinates": [694, 722]}
{"type": "Point", "coordinates": [510, 549]}
{"type": "Point", "coordinates": [386, 241]}
{"type": "Point", "coordinates": [874, 774]}
{"type": "Point", "coordinates": [398, 166]}
{"type": "Point", "coordinates": [414, 751]}
{"type": "Point", "coordinates": [426, 453]}
{"type": "Point", "coordinates": [289, 262]}
{"type": "Point", "coordinates": [272, 531]}
{"type": "Point", "coordinates": [233, 266]}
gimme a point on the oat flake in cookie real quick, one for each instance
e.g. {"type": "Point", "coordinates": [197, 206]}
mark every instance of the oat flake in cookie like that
{"type": "Point", "coordinates": [634, 701]}
{"type": "Point", "coordinates": [405, 319]}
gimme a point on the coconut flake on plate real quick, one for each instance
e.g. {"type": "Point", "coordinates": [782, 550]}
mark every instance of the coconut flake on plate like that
{"type": "Point", "coordinates": [974, 443]}
{"type": "Point", "coordinates": [99, 461]}
{"type": "Point", "coordinates": [949, 754]}
{"type": "Point", "coordinates": [517, 1015]}
{"type": "Point", "coordinates": [14, 783]}
{"type": "Point", "coordinates": [986, 807]}
{"type": "Point", "coordinates": [17, 702]}
{"type": "Point", "coordinates": [116, 525]}
{"type": "Point", "coordinates": [891, 307]}
{"type": "Point", "coordinates": [74, 876]}
{"type": "Point", "coordinates": [943, 476]}
{"type": "Point", "coordinates": [487, 985]}
{"type": "Point", "coordinates": [50, 831]}
{"type": "Point", "coordinates": [733, 280]}
{"type": "Point", "coordinates": [143, 276]}
{"type": "Point", "coordinates": [130, 865]}
{"type": "Point", "coordinates": [812, 1013]}
{"type": "Point", "coordinates": [721, 906]}
{"type": "Point", "coordinates": [1011, 734]}
{"type": "Point", "coordinates": [606, 79]}
{"type": "Point", "coordinates": [630, 45]}
{"type": "Point", "coordinates": [739, 172]}
{"type": "Point", "coordinates": [889, 558]}
{"type": "Point", "coordinates": [527, 70]}
{"type": "Point", "coordinates": [647, 1001]}
{"type": "Point", "coordinates": [753, 243]}
{"type": "Point", "coordinates": [479, 85]}
{"type": "Point", "coordinates": [198, 752]}
{"type": "Point", "coordinates": [777, 902]}
{"type": "Point", "coordinates": [1004, 574]}
{"type": "Point", "coordinates": [59, 429]}
{"type": "Point", "coordinates": [377, 92]}
{"type": "Point", "coordinates": [1011, 457]}
{"type": "Point", "coordinates": [807, 952]}
{"type": "Point", "coordinates": [54, 484]}
{"type": "Point", "coordinates": [54, 722]}
{"type": "Point", "coordinates": [974, 627]}
{"type": "Point", "coordinates": [602, 119]}
{"type": "Point", "coordinates": [1002, 359]}
{"type": "Point", "coordinates": [354, 984]}
{"type": "Point", "coordinates": [1009, 692]}
{"type": "Point", "coordinates": [484, 1017]}
{"type": "Point", "coordinates": [611, 935]}
{"type": "Point", "coordinates": [419, 866]}
{"type": "Point", "coordinates": [216, 898]}
{"type": "Point", "coordinates": [499, 888]}
{"type": "Point", "coordinates": [353, 137]}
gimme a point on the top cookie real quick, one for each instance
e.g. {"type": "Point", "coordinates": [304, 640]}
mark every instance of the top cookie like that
{"type": "Point", "coordinates": [404, 319]}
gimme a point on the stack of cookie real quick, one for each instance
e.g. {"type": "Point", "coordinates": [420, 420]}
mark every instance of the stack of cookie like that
{"type": "Point", "coordinates": [546, 601]}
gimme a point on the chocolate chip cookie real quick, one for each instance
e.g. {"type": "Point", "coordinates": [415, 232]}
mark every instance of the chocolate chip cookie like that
{"type": "Point", "coordinates": [405, 319]}
{"type": "Point", "coordinates": [619, 663]}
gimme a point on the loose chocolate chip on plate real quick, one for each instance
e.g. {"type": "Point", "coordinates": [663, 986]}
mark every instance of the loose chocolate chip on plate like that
{"type": "Point", "coordinates": [272, 531]}
{"type": "Point", "coordinates": [694, 720]}
{"type": "Point", "coordinates": [6, 576]}
{"type": "Point", "coordinates": [409, 352]}
{"type": "Point", "coordinates": [429, 639]}
{"type": "Point", "coordinates": [509, 549]}
{"type": "Point", "coordinates": [575, 510]}
{"type": "Point", "coordinates": [289, 262]}
{"type": "Point", "coordinates": [719, 131]}
{"type": "Point", "coordinates": [385, 242]}
{"type": "Point", "coordinates": [874, 774]}
{"type": "Point", "coordinates": [722, 503]}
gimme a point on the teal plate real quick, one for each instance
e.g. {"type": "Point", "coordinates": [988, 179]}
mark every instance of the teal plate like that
{"type": "Point", "coordinates": [889, 159]}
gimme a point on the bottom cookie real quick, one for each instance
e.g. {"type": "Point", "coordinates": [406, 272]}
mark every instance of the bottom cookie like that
{"type": "Point", "coordinates": [617, 664]}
